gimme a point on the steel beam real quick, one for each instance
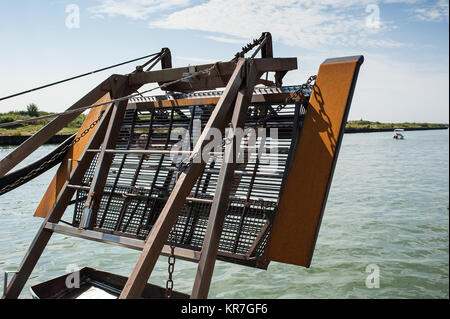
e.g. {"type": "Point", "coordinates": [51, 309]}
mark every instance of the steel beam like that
{"type": "Point", "coordinates": [168, 216]}
{"type": "Point", "coordinates": [219, 207]}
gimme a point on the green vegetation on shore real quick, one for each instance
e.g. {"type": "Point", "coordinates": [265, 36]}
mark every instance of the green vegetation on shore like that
{"type": "Point", "coordinates": [363, 125]}
{"type": "Point", "coordinates": [27, 129]}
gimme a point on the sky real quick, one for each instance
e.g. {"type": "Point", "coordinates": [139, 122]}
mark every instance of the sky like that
{"type": "Point", "coordinates": [405, 76]}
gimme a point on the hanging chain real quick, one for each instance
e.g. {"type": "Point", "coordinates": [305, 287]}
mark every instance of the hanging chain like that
{"type": "Point", "coordinates": [303, 92]}
{"type": "Point", "coordinates": [46, 164]}
{"type": "Point", "coordinates": [171, 267]}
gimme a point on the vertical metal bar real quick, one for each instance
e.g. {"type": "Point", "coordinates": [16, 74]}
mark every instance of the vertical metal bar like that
{"type": "Point", "coordinates": [168, 216]}
{"type": "Point", "coordinates": [218, 209]}
{"type": "Point", "coordinates": [92, 205]}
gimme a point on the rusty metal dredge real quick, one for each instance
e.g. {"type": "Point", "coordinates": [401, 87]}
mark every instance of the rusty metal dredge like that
{"type": "Point", "coordinates": [127, 184]}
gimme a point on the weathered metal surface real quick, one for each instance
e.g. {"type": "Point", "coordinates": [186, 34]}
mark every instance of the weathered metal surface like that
{"type": "Point", "coordinates": [218, 78]}
{"type": "Point", "coordinates": [74, 153]}
{"type": "Point", "coordinates": [224, 185]}
{"type": "Point", "coordinates": [185, 182]}
{"type": "Point", "coordinates": [304, 196]}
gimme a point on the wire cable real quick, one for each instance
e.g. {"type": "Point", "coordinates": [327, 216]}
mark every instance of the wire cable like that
{"type": "Point", "coordinates": [78, 76]}
{"type": "Point", "coordinates": [81, 109]}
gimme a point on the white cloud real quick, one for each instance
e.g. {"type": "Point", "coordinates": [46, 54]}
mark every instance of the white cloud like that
{"type": "Point", "coordinates": [134, 9]}
{"type": "Point", "coordinates": [307, 23]}
{"type": "Point", "coordinates": [436, 12]}
{"type": "Point", "coordinates": [226, 40]}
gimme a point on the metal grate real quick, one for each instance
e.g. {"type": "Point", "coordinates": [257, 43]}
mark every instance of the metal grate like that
{"type": "Point", "coordinates": [138, 186]}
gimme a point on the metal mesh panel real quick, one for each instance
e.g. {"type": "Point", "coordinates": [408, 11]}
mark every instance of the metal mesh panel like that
{"type": "Point", "coordinates": [137, 186]}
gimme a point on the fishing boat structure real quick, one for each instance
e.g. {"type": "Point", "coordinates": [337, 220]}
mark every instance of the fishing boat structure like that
{"type": "Point", "coordinates": [128, 179]}
{"type": "Point", "coordinates": [398, 134]}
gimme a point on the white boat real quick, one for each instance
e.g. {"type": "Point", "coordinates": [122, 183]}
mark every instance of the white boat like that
{"type": "Point", "coordinates": [399, 134]}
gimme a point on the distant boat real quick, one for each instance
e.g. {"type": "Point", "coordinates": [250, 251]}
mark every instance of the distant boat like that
{"type": "Point", "coordinates": [399, 134]}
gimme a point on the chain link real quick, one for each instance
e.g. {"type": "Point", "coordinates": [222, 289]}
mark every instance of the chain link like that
{"type": "Point", "coordinates": [171, 267]}
{"type": "Point", "coordinates": [44, 166]}
{"type": "Point", "coordinates": [302, 92]}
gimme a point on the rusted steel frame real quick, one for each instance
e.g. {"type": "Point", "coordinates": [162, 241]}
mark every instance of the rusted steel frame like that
{"type": "Point", "coordinates": [104, 160]}
{"type": "Point", "coordinates": [123, 240]}
{"type": "Point", "coordinates": [116, 180]}
{"type": "Point", "coordinates": [119, 240]}
{"type": "Point", "coordinates": [226, 69]}
{"type": "Point", "coordinates": [43, 235]}
{"type": "Point", "coordinates": [265, 47]}
{"type": "Point", "coordinates": [172, 74]}
{"type": "Point", "coordinates": [165, 57]}
{"type": "Point", "coordinates": [166, 62]}
{"type": "Point", "coordinates": [224, 183]}
{"type": "Point", "coordinates": [45, 133]}
{"type": "Point", "coordinates": [257, 98]}
{"type": "Point", "coordinates": [168, 216]}
{"type": "Point", "coordinates": [151, 211]}
{"type": "Point", "coordinates": [218, 80]}
{"type": "Point", "coordinates": [292, 240]}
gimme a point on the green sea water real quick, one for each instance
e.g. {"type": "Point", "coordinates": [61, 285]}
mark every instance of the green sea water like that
{"type": "Point", "coordinates": [388, 208]}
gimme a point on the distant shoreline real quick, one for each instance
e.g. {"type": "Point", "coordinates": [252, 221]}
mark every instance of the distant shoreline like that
{"type": "Point", "coordinates": [372, 130]}
{"type": "Point", "coordinates": [58, 139]}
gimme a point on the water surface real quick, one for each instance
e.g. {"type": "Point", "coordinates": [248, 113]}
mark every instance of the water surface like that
{"type": "Point", "coordinates": [388, 206]}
